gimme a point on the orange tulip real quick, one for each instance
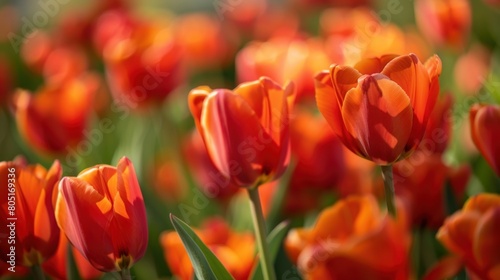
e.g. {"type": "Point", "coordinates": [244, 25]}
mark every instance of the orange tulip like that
{"type": "Point", "coordinates": [379, 108]}
{"type": "Point", "coordinates": [352, 240]}
{"type": "Point", "coordinates": [235, 250]}
{"type": "Point", "coordinates": [116, 235]}
{"type": "Point", "coordinates": [54, 120]}
{"type": "Point", "coordinates": [35, 227]}
{"type": "Point", "coordinates": [246, 131]}
{"type": "Point", "coordinates": [56, 266]}
{"type": "Point", "coordinates": [444, 22]}
{"type": "Point", "coordinates": [472, 234]}
{"type": "Point", "coordinates": [485, 132]}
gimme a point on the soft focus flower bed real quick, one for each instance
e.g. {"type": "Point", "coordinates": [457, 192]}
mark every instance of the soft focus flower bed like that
{"type": "Point", "coordinates": [250, 139]}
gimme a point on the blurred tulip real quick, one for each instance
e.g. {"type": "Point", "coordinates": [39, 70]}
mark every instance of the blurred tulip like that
{"type": "Point", "coordinates": [54, 119]}
{"type": "Point", "coordinates": [485, 132]}
{"type": "Point", "coordinates": [319, 163]}
{"type": "Point", "coordinates": [57, 265]}
{"type": "Point", "coordinates": [205, 41]}
{"type": "Point", "coordinates": [35, 227]}
{"type": "Point", "coordinates": [253, 153]}
{"type": "Point", "coordinates": [352, 240]}
{"type": "Point", "coordinates": [142, 60]}
{"type": "Point", "coordinates": [242, 14]}
{"type": "Point", "coordinates": [282, 60]}
{"type": "Point", "coordinates": [211, 181]}
{"type": "Point", "coordinates": [276, 23]}
{"type": "Point", "coordinates": [379, 109]}
{"type": "Point", "coordinates": [472, 69]}
{"type": "Point", "coordinates": [444, 22]}
{"type": "Point", "coordinates": [329, 3]}
{"type": "Point", "coordinates": [116, 236]}
{"type": "Point", "coordinates": [235, 250]}
{"type": "Point", "coordinates": [35, 51]}
{"type": "Point", "coordinates": [421, 183]}
{"type": "Point", "coordinates": [438, 130]}
{"type": "Point", "coordinates": [167, 179]}
{"type": "Point", "coordinates": [472, 234]}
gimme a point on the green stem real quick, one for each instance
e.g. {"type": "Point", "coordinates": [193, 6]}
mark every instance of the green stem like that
{"type": "Point", "coordinates": [37, 271]}
{"type": "Point", "coordinates": [125, 274]}
{"type": "Point", "coordinates": [389, 189]}
{"type": "Point", "coordinates": [260, 234]}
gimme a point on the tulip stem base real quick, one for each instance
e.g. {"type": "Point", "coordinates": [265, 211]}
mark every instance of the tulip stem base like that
{"type": "Point", "coordinates": [125, 274]}
{"type": "Point", "coordinates": [389, 189]}
{"type": "Point", "coordinates": [260, 234]}
{"type": "Point", "coordinates": [38, 272]}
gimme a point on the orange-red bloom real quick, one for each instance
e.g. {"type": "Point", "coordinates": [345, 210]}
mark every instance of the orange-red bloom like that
{"type": "Point", "coordinates": [485, 130]}
{"type": "Point", "coordinates": [142, 59]}
{"type": "Point", "coordinates": [472, 234]}
{"type": "Point", "coordinates": [54, 120]}
{"type": "Point", "coordinates": [30, 201]}
{"type": "Point", "coordinates": [246, 131]}
{"type": "Point", "coordinates": [235, 250]}
{"type": "Point", "coordinates": [444, 22]}
{"type": "Point", "coordinates": [103, 215]}
{"type": "Point", "coordinates": [352, 240]}
{"type": "Point", "coordinates": [379, 108]}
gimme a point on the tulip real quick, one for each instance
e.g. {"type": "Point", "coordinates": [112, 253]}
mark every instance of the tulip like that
{"type": "Point", "coordinates": [320, 163]}
{"type": "Point", "coordinates": [379, 108]}
{"type": "Point", "coordinates": [485, 132]}
{"type": "Point", "coordinates": [472, 235]}
{"type": "Point", "coordinates": [54, 120]}
{"type": "Point", "coordinates": [142, 60]}
{"type": "Point", "coordinates": [249, 154]}
{"type": "Point", "coordinates": [116, 235]}
{"type": "Point", "coordinates": [352, 240]}
{"type": "Point", "coordinates": [36, 231]}
{"type": "Point", "coordinates": [235, 250]}
{"type": "Point", "coordinates": [444, 22]}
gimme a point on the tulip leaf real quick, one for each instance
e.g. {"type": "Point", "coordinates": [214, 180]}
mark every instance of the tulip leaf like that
{"type": "Point", "coordinates": [274, 240]}
{"type": "Point", "coordinates": [205, 263]}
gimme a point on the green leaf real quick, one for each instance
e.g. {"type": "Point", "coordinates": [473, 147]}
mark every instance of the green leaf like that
{"type": "Point", "coordinates": [205, 263]}
{"type": "Point", "coordinates": [274, 240]}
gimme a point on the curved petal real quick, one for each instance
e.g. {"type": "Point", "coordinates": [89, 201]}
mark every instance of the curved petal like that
{"type": "Point", "coordinates": [485, 132]}
{"type": "Point", "coordinates": [234, 148]}
{"type": "Point", "coordinates": [196, 98]}
{"type": "Point", "coordinates": [378, 115]}
{"type": "Point", "coordinates": [457, 233]}
{"type": "Point", "coordinates": [373, 65]}
{"type": "Point", "coordinates": [409, 73]}
{"type": "Point", "coordinates": [77, 201]}
{"type": "Point", "coordinates": [486, 241]}
{"type": "Point", "coordinates": [446, 268]}
{"type": "Point", "coordinates": [482, 203]}
{"type": "Point", "coordinates": [331, 88]}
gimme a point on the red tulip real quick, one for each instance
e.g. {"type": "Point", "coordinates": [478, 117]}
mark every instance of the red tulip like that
{"type": "Point", "coordinates": [54, 120]}
{"type": "Point", "coordinates": [485, 131]}
{"type": "Point", "coordinates": [472, 234]}
{"type": "Point", "coordinates": [103, 215]}
{"type": "Point", "coordinates": [444, 22]}
{"type": "Point", "coordinates": [35, 227]}
{"type": "Point", "coordinates": [379, 108]}
{"type": "Point", "coordinates": [246, 131]}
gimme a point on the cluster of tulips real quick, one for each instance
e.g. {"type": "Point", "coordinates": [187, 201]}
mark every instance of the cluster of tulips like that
{"type": "Point", "coordinates": [236, 145]}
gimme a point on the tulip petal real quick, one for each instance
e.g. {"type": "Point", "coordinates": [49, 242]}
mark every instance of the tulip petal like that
{"type": "Point", "coordinates": [482, 203]}
{"type": "Point", "coordinates": [446, 268]}
{"type": "Point", "coordinates": [486, 241]}
{"type": "Point", "coordinates": [330, 91]}
{"type": "Point", "coordinates": [233, 147]}
{"type": "Point", "coordinates": [378, 115]}
{"type": "Point", "coordinates": [409, 73]}
{"type": "Point", "coordinates": [77, 202]}
{"type": "Point", "coordinates": [195, 100]}
{"type": "Point", "coordinates": [485, 132]}
{"type": "Point", "coordinates": [457, 233]}
{"type": "Point", "coordinates": [373, 65]}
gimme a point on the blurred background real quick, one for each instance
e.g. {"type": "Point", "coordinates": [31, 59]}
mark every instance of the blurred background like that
{"type": "Point", "coordinates": [87, 82]}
